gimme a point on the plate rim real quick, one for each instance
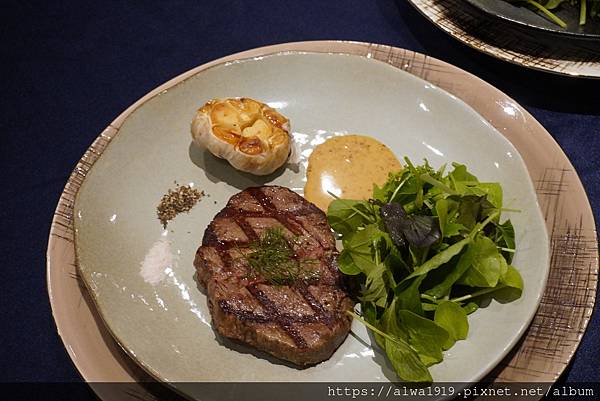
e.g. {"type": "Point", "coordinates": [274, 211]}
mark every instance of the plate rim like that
{"type": "Point", "coordinates": [311, 46]}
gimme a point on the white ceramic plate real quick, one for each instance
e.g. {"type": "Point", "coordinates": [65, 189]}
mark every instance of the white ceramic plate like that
{"type": "Point", "coordinates": [166, 328]}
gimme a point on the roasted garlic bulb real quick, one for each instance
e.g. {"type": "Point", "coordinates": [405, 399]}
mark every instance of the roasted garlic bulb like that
{"type": "Point", "coordinates": [252, 136]}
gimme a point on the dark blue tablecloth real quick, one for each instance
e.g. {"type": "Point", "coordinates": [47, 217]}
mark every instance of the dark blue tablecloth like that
{"type": "Point", "coordinates": [69, 68]}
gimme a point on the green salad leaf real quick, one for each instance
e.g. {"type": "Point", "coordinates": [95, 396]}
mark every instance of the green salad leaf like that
{"type": "Point", "coordinates": [453, 319]}
{"type": "Point", "coordinates": [406, 362]}
{"type": "Point", "coordinates": [487, 264]}
{"type": "Point", "coordinates": [408, 296]}
{"type": "Point", "coordinates": [425, 336]}
{"type": "Point", "coordinates": [439, 259]}
{"type": "Point", "coordinates": [465, 261]}
{"type": "Point", "coordinates": [510, 287]}
{"type": "Point", "coordinates": [425, 251]}
{"type": "Point", "coordinates": [358, 254]}
{"type": "Point", "coordinates": [344, 215]}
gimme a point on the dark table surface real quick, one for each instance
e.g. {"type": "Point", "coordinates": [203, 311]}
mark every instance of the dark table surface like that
{"type": "Point", "coordinates": [69, 68]}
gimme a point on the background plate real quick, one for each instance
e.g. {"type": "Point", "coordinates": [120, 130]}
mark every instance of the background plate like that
{"type": "Point", "coordinates": [510, 42]}
{"type": "Point", "coordinates": [530, 19]}
{"type": "Point", "coordinates": [560, 320]}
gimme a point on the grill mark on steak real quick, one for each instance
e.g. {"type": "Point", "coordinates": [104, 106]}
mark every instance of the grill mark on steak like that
{"type": "Point", "coordinates": [246, 228]}
{"type": "Point", "coordinates": [321, 313]}
{"type": "Point", "coordinates": [287, 219]}
{"type": "Point", "coordinates": [285, 322]}
{"type": "Point", "coordinates": [272, 211]}
{"type": "Point", "coordinates": [244, 314]}
{"type": "Point", "coordinates": [260, 318]}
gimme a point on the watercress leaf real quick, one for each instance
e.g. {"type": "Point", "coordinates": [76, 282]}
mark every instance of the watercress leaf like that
{"type": "Point", "coordinates": [438, 259]}
{"type": "Point", "coordinates": [358, 245]}
{"type": "Point", "coordinates": [506, 239]}
{"type": "Point", "coordinates": [512, 286]}
{"type": "Point", "coordinates": [389, 324]}
{"type": "Point", "coordinates": [453, 319]}
{"type": "Point", "coordinates": [512, 278]}
{"type": "Point", "coordinates": [409, 187]}
{"type": "Point", "coordinates": [375, 289]}
{"type": "Point", "coordinates": [460, 173]}
{"type": "Point", "coordinates": [395, 263]}
{"type": "Point", "coordinates": [459, 177]}
{"type": "Point", "coordinates": [493, 192]}
{"type": "Point", "coordinates": [369, 312]}
{"type": "Point", "coordinates": [447, 210]}
{"type": "Point", "coordinates": [435, 188]}
{"type": "Point", "coordinates": [441, 209]}
{"type": "Point", "coordinates": [424, 335]}
{"type": "Point", "coordinates": [487, 209]}
{"type": "Point", "coordinates": [363, 238]}
{"type": "Point", "coordinates": [406, 362]}
{"type": "Point", "coordinates": [508, 234]}
{"type": "Point", "coordinates": [487, 266]}
{"type": "Point", "coordinates": [473, 208]}
{"type": "Point", "coordinates": [363, 260]}
{"type": "Point", "coordinates": [453, 229]}
{"type": "Point", "coordinates": [464, 262]}
{"type": "Point", "coordinates": [346, 264]}
{"type": "Point", "coordinates": [381, 246]}
{"type": "Point", "coordinates": [345, 215]}
{"type": "Point", "coordinates": [407, 295]}
{"type": "Point", "coordinates": [469, 210]}
{"type": "Point", "coordinates": [380, 194]}
{"type": "Point", "coordinates": [396, 184]}
{"type": "Point", "coordinates": [473, 190]}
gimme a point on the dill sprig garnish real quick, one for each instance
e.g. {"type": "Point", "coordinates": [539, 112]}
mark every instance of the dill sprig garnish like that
{"type": "Point", "coordinates": [273, 258]}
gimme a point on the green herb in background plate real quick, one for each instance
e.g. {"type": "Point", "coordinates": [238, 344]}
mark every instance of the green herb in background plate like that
{"type": "Point", "coordinates": [426, 249]}
{"type": "Point", "coordinates": [546, 7]}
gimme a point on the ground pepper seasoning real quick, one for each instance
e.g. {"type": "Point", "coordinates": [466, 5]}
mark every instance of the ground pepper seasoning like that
{"type": "Point", "coordinates": [181, 199]}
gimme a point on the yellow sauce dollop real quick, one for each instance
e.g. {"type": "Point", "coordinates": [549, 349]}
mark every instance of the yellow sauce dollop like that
{"type": "Point", "coordinates": [347, 166]}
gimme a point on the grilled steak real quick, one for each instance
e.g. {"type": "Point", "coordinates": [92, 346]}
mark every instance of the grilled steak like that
{"type": "Point", "coordinates": [302, 321]}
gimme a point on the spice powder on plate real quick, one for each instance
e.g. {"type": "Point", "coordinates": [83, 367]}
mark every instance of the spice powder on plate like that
{"type": "Point", "coordinates": [175, 201]}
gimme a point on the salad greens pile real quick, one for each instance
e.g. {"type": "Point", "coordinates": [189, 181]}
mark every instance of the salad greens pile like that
{"type": "Point", "coordinates": [425, 249]}
{"type": "Point", "coordinates": [546, 6]}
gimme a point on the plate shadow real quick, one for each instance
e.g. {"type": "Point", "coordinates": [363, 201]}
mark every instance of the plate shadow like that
{"type": "Point", "coordinates": [219, 170]}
